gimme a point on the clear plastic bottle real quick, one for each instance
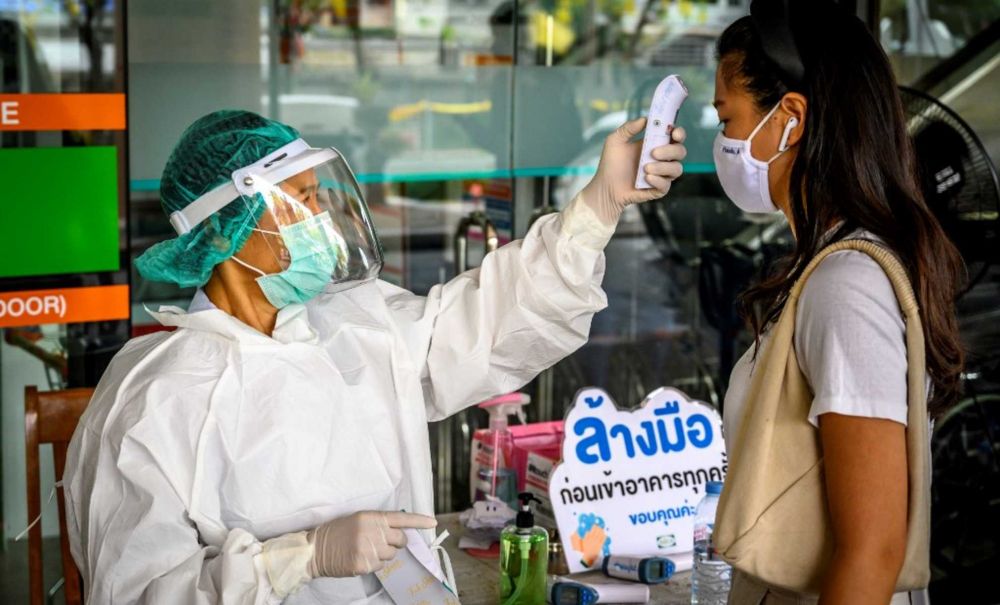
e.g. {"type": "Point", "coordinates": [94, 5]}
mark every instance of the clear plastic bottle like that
{"type": "Point", "coordinates": [711, 578]}
{"type": "Point", "coordinates": [492, 473]}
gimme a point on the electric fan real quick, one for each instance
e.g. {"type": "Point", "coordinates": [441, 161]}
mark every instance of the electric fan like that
{"type": "Point", "coordinates": [958, 179]}
{"type": "Point", "coordinates": [961, 187]}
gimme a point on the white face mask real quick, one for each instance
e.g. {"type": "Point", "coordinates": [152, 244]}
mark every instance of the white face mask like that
{"type": "Point", "coordinates": [743, 177]}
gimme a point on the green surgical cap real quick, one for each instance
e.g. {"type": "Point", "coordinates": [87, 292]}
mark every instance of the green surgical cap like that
{"type": "Point", "coordinates": [209, 151]}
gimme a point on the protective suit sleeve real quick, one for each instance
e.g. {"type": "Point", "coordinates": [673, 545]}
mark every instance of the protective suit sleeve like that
{"type": "Point", "coordinates": [528, 306]}
{"type": "Point", "coordinates": [134, 543]}
{"type": "Point", "coordinates": [583, 225]}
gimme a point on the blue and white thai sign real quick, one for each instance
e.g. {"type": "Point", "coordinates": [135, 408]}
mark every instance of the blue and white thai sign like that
{"type": "Point", "coordinates": [629, 481]}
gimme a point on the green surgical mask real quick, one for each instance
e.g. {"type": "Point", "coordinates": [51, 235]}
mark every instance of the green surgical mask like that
{"type": "Point", "coordinates": [313, 246]}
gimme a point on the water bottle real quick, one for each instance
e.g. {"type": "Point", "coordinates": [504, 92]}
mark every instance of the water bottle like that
{"type": "Point", "coordinates": [711, 577]}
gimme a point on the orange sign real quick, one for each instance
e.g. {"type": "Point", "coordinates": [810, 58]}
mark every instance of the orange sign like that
{"type": "Point", "coordinates": [71, 111]}
{"type": "Point", "coordinates": [488, 60]}
{"type": "Point", "coordinates": [63, 306]}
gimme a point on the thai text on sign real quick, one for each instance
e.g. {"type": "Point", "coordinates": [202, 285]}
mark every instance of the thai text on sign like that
{"type": "Point", "coordinates": [630, 480]}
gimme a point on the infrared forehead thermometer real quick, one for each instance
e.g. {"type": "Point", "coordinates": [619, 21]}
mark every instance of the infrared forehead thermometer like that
{"type": "Point", "coordinates": [667, 100]}
{"type": "Point", "coordinates": [565, 591]}
{"type": "Point", "coordinates": [648, 570]}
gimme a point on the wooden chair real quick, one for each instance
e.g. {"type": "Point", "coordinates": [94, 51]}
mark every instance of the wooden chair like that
{"type": "Point", "coordinates": [50, 417]}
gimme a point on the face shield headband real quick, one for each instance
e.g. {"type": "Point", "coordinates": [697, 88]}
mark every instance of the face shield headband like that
{"type": "Point", "coordinates": [314, 208]}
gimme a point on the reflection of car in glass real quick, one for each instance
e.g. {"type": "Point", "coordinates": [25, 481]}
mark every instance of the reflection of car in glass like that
{"type": "Point", "coordinates": [694, 47]}
{"type": "Point", "coordinates": [701, 117]}
{"type": "Point", "coordinates": [712, 13]}
{"type": "Point", "coordinates": [324, 120]}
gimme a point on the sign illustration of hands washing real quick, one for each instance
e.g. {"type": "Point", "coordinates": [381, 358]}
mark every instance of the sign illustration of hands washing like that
{"type": "Point", "coordinates": [629, 481]}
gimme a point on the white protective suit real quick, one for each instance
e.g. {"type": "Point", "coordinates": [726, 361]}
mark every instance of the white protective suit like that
{"type": "Point", "coordinates": [204, 442]}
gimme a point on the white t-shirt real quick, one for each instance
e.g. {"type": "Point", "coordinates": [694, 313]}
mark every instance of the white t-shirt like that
{"type": "Point", "coordinates": [850, 343]}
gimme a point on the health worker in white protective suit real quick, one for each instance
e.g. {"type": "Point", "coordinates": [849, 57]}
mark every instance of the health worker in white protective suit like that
{"type": "Point", "coordinates": [263, 450]}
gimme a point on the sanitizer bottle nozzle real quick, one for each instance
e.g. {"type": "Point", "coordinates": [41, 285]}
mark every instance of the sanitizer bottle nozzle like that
{"type": "Point", "coordinates": [495, 477]}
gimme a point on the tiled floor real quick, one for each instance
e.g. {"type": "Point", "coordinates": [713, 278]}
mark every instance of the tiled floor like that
{"type": "Point", "coordinates": [14, 571]}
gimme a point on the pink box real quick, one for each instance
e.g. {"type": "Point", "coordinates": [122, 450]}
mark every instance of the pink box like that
{"type": "Point", "coordinates": [541, 438]}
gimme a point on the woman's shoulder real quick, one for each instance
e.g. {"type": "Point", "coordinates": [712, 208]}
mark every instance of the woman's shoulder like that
{"type": "Point", "coordinates": [850, 339]}
{"type": "Point", "coordinates": [848, 278]}
{"type": "Point", "coordinates": [849, 298]}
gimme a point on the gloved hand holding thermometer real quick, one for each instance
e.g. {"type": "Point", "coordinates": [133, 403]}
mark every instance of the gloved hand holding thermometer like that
{"type": "Point", "coordinates": [616, 186]}
{"type": "Point", "coordinates": [663, 110]}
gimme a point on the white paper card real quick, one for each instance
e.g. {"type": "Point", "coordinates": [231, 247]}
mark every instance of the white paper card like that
{"type": "Point", "coordinates": [414, 576]}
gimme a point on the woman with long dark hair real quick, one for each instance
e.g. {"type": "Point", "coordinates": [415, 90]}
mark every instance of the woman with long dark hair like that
{"type": "Point", "coordinates": [813, 127]}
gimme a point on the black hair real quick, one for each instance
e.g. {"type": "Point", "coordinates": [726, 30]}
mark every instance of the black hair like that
{"type": "Point", "coordinates": [854, 166]}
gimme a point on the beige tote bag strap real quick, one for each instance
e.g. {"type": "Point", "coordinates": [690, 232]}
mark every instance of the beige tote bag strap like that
{"type": "Point", "coordinates": [784, 327]}
{"type": "Point", "coordinates": [917, 437]}
{"type": "Point", "coordinates": [760, 479]}
{"type": "Point", "coordinates": [889, 263]}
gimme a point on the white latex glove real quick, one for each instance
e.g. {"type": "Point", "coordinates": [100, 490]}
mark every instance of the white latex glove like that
{"type": "Point", "coordinates": [613, 187]}
{"type": "Point", "coordinates": [361, 543]}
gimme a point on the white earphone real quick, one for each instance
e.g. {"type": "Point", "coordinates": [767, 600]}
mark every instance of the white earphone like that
{"type": "Point", "coordinates": [792, 123]}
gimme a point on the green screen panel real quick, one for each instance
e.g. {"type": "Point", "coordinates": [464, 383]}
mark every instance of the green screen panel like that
{"type": "Point", "coordinates": [59, 207]}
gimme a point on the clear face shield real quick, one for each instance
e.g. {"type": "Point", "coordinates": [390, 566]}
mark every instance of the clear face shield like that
{"type": "Point", "coordinates": [315, 228]}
